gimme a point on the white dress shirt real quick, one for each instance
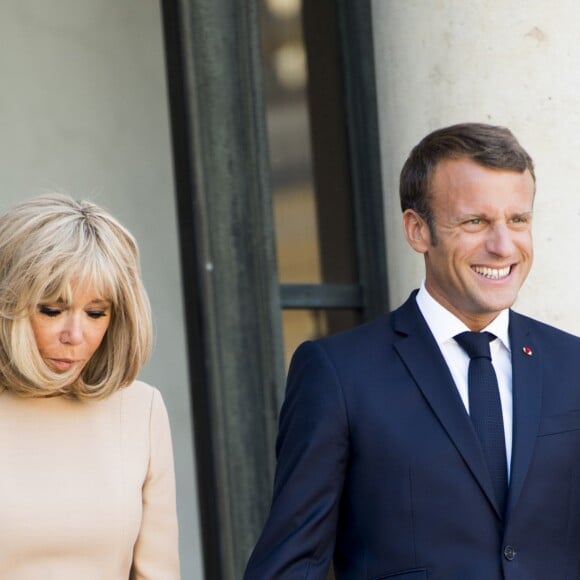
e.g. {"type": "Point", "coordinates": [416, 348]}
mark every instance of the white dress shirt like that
{"type": "Point", "coordinates": [444, 325]}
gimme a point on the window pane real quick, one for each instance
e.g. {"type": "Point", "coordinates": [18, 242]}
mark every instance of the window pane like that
{"type": "Point", "coordinates": [301, 325]}
{"type": "Point", "coordinates": [284, 62]}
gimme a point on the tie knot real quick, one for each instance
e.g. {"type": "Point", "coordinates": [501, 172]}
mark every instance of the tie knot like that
{"type": "Point", "coordinates": [475, 344]}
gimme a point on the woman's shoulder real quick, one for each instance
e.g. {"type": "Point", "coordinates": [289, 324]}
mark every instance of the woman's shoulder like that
{"type": "Point", "coordinates": [140, 398]}
{"type": "Point", "coordinates": [139, 390]}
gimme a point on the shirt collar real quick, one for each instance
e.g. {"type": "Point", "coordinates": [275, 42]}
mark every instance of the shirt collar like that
{"type": "Point", "coordinates": [444, 325]}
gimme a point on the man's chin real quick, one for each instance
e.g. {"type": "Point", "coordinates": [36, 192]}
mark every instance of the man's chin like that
{"type": "Point", "coordinates": [497, 305]}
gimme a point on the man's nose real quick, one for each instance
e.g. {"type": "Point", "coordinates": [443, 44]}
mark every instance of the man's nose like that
{"type": "Point", "coordinates": [500, 240]}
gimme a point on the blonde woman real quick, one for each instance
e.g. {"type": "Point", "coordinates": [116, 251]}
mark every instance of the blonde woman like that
{"type": "Point", "coordinates": [87, 483]}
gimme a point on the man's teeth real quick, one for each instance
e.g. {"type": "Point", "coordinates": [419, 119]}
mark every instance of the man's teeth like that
{"type": "Point", "coordinates": [493, 273]}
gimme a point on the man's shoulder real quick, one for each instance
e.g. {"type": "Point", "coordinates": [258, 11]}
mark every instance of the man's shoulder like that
{"type": "Point", "coordinates": [366, 346]}
{"type": "Point", "coordinates": [543, 330]}
{"type": "Point", "coordinates": [375, 333]}
{"type": "Point", "coordinates": [367, 341]}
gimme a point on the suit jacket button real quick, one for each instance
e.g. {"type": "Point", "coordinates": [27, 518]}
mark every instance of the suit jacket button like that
{"type": "Point", "coordinates": [509, 553]}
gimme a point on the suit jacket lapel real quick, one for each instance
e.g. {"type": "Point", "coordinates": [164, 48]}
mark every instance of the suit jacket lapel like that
{"type": "Point", "coordinates": [422, 357]}
{"type": "Point", "coordinates": [527, 402]}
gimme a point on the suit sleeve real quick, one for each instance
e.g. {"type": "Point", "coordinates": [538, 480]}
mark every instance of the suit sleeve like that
{"type": "Point", "coordinates": [156, 554]}
{"type": "Point", "coordinates": [312, 452]}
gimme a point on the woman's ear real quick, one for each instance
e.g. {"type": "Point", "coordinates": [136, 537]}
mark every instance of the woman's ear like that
{"type": "Point", "coordinates": [416, 231]}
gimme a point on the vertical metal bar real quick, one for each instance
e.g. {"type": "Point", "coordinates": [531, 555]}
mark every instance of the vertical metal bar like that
{"type": "Point", "coordinates": [330, 154]}
{"type": "Point", "coordinates": [229, 271]}
{"type": "Point", "coordinates": [360, 93]}
{"type": "Point", "coordinates": [346, 154]}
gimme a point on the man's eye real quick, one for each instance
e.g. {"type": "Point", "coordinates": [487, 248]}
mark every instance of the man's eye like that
{"type": "Point", "coordinates": [48, 311]}
{"type": "Point", "coordinates": [96, 313]}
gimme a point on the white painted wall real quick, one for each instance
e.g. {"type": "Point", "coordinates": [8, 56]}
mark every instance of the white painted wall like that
{"type": "Point", "coordinates": [514, 63]}
{"type": "Point", "coordinates": [83, 109]}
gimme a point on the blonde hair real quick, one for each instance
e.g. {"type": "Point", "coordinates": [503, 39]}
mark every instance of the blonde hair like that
{"type": "Point", "coordinates": [47, 245]}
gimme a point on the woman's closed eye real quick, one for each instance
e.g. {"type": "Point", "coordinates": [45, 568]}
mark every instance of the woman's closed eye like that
{"type": "Point", "coordinates": [96, 313]}
{"type": "Point", "coordinates": [49, 310]}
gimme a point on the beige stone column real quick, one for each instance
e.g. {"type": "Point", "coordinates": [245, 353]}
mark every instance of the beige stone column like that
{"type": "Point", "coordinates": [514, 63]}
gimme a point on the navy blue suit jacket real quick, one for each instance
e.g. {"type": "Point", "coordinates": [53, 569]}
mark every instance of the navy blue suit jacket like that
{"type": "Point", "coordinates": [379, 467]}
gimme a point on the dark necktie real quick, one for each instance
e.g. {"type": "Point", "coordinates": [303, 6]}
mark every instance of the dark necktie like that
{"type": "Point", "coordinates": [485, 407]}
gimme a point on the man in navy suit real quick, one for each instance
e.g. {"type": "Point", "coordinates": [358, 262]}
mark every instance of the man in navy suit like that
{"type": "Point", "coordinates": [386, 464]}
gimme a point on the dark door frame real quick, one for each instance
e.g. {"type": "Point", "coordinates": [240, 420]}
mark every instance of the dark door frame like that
{"type": "Point", "coordinates": [231, 291]}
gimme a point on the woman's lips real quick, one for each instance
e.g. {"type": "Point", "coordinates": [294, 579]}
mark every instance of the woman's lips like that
{"type": "Point", "coordinates": [63, 364]}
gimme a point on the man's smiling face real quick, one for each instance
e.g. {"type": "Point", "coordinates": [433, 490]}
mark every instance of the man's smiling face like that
{"type": "Point", "coordinates": [483, 248]}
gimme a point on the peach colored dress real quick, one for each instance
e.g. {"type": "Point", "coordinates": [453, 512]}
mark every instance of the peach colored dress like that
{"type": "Point", "coordinates": [87, 490]}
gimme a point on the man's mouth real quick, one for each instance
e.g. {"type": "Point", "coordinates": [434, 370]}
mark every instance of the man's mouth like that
{"type": "Point", "coordinates": [492, 273]}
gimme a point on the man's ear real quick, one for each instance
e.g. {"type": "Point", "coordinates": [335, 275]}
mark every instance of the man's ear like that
{"type": "Point", "coordinates": [416, 231]}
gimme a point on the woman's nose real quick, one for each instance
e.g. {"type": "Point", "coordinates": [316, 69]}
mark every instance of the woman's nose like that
{"type": "Point", "coordinates": [72, 332]}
